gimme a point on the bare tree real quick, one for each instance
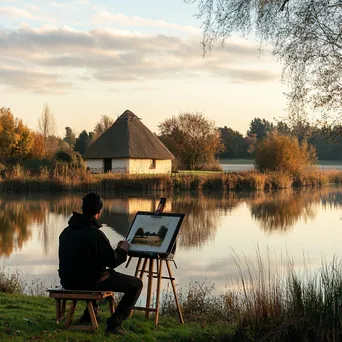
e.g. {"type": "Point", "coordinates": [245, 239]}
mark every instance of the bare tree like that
{"type": "Point", "coordinates": [47, 122]}
{"type": "Point", "coordinates": [306, 36]}
{"type": "Point", "coordinates": [104, 123]}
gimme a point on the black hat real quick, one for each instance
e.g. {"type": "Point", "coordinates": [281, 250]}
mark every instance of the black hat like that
{"type": "Point", "coordinates": [92, 204]}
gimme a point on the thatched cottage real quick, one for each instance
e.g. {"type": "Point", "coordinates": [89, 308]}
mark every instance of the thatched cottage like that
{"type": "Point", "coordinates": [128, 146]}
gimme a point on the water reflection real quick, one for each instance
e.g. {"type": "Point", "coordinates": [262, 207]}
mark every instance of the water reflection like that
{"type": "Point", "coordinates": [281, 211]}
{"type": "Point", "coordinates": [46, 214]}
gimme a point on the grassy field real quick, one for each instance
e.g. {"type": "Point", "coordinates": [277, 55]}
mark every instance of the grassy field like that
{"type": "Point", "coordinates": [24, 318]}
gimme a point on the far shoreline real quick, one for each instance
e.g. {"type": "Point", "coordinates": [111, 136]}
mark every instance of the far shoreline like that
{"type": "Point", "coordinates": [180, 181]}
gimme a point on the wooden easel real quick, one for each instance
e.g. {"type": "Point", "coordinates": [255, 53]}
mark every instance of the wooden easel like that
{"type": "Point", "coordinates": [151, 274]}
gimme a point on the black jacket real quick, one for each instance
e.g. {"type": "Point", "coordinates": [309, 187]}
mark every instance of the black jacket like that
{"type": "Point", "coordinates": [84, 253]}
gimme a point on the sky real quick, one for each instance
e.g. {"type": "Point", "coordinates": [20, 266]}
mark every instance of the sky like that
{"type": "Point", "coordinates": [87, 58]}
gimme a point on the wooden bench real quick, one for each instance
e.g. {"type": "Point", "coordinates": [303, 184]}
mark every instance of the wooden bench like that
{"type": "Point", "coordinates": [61, 296]}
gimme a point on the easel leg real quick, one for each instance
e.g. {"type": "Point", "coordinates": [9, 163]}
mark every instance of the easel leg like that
{"type": "Point", "coordinates": [149, 288]}
{"type": "Point", "coordinates": [137, 268]}
{"type": "Point", "coordinates": [159, 272]}
{"type": "Point", "coordinates": [175, 292]}
{"type": "Point", "coordinates": [143, 268]}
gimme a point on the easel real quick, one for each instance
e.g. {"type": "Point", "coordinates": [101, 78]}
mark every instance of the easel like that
{"type": "Point", "coordinates": [151, 274]}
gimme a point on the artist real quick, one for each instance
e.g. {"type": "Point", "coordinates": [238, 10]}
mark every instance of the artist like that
{"type": "Point", "coordinates": [87, 262]}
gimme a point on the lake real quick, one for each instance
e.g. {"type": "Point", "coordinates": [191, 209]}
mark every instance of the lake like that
{"type": "Point", "coordinates": [240, 165]}
{"type": "Point", "coordinates": [304, 225]}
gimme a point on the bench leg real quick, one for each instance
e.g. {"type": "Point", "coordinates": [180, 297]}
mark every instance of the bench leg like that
{"type": "Point", "coordinates": [71, 313]}
{"type": "Point", "coordinates": [63, 309]}
{"type": "Point", "coordinates": [92, 314]}
{"type": "Point", "coordinates": [111, 304]}
{"type": "Point", "coordinates": [58, 310]}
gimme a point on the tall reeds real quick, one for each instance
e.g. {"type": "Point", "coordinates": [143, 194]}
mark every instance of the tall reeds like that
{"type": "Point", "coordinates": [271, 301]}
{"type": "Point", "coordinates": [66, 178]}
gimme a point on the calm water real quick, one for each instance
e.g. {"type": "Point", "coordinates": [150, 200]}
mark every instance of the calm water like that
{"type": "Point", "coordinates": [228, 167]}
{"type": "Point", "coordinates": [296, 224]}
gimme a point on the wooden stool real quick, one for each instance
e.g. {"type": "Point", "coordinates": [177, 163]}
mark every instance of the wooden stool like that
{"type": "Point", "coordinates": [61, 296]}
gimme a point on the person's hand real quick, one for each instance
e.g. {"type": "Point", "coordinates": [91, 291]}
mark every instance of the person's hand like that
{"type": "Point", "coordinates": [123, 244]}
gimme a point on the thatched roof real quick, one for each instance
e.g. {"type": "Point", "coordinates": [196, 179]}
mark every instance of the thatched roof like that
{"type": "Point", "coordinates": [128, 137]}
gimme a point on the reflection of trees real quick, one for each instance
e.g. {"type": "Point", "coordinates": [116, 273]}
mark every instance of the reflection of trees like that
{"type": "Point", "coordinates": [15, 220]}
{"type": "Point", "coordinates": [202, 215]}
{"type": "Point", "coordinates": [274, 211]}
{"type": "Point", "coordinates": [281, 210]}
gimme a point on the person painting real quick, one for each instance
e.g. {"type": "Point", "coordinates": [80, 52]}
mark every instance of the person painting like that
{"type": "Point", "coordinates": [87, 261]}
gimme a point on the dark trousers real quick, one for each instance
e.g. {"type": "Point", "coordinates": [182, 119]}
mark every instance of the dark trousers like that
{"type": "Point", "coordinates": [131, 288]}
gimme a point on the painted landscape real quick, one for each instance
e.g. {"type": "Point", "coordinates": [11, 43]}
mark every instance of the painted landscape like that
{"type": "Point", "coordinates": [154, 239]}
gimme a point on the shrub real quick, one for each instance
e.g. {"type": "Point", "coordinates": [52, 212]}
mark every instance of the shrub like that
{"type": "Point", "coordinates": [283, 153]}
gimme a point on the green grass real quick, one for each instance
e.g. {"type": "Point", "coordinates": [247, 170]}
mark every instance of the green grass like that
{"type": "Point", "coordinates": [24, 318]}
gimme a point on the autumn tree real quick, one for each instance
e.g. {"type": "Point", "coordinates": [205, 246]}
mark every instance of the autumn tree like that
{"type": "Point", "coordinates": [15, 137]}
{"type": "Point", "coordinates": [193, 139]}
{"type": "Point", "coordinates": [47, 122]}
{"type": "Point", "coordinates": [38, 150]}
{"type": "Point", "coordinates": [104, 123]}
{"type": "Point", "coordinates": [305, 35]}
{"type": "Point", "coordinates": [284, 153]}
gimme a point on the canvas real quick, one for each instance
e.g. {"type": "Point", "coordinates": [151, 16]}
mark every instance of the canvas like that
{"type": "Point", "coordinates": [153, 234]}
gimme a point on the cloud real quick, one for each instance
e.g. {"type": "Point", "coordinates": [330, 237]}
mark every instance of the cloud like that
{"type": "Point", "coordinates": [35, 81]}
{"type": "Point", "coordinates": [16, 12]}
{"type": "Point", "coordinates": [122, 20]}
{"type": "Point", "coordinates": [113, 56]}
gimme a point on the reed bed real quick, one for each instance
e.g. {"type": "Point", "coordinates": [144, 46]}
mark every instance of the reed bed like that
{"type": "Point", "coordinates": [270, 302]}
{"type": "Point", "coordinates": [65, 178]}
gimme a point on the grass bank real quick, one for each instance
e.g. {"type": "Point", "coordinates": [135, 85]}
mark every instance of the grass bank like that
{"type": "Point", "coordinates": [25, 318]}
{"type": "Point", "coordinates": [270, 301]}
{"type": "Point", "coordinates": [65, 179]}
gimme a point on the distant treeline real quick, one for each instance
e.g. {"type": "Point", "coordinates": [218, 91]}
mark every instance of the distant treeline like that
{"type": "Point", "coordinates": [195, 141]}
{"type": "Point", "coordinates": [326, 140]}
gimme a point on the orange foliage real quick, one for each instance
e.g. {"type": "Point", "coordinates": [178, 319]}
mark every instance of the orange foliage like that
{"type": "Point", "coordinates": [283, 153]}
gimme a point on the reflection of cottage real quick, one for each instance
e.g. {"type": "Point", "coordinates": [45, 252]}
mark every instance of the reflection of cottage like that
{"type": "Point", "coordinates": [119, 213]}
{"type": "Point", "coordinates": [128, 146]}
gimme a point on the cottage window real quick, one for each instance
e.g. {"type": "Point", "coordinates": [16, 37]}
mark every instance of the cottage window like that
{"type": "Point", "coordinates": [153, 164]}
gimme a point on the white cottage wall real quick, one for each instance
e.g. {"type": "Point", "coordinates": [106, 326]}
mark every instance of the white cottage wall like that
{"type": "Point", "coordinates": [95, 165]}
{"type": "Point", "coordinates": [120, 165]}
{"type": "Point", "coordinates": [146, 166]}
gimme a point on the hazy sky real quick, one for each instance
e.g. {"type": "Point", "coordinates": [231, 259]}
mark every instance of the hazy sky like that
{"type": "Point", "coordinates": [91, 57]}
